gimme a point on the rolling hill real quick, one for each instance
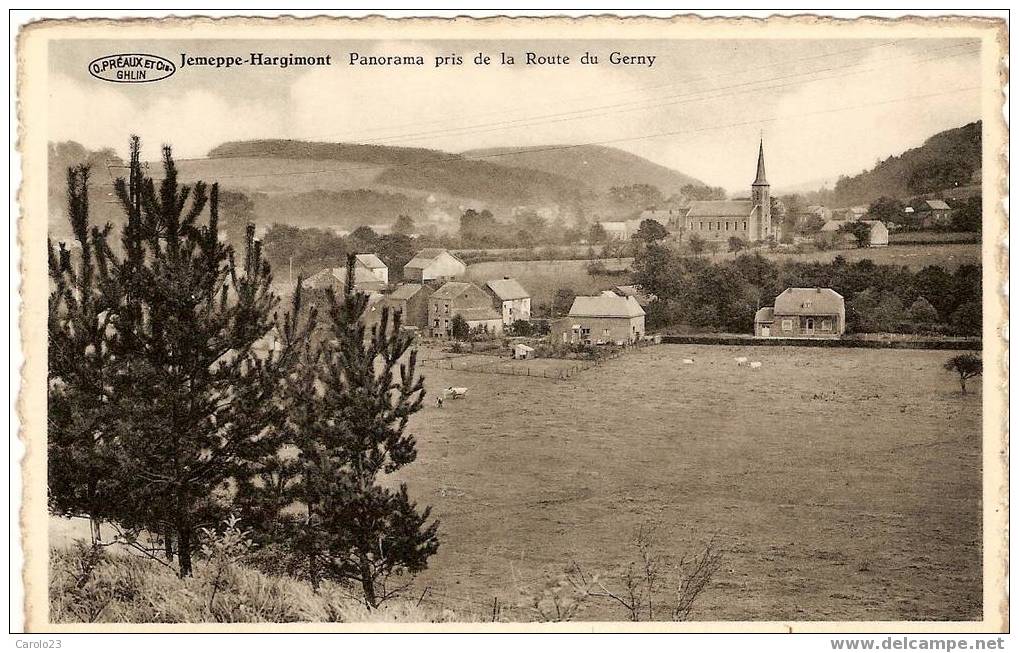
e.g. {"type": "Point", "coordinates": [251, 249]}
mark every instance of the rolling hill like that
{"type": "Point", "coordinates": [343, 185]}
{"type": "Point", "coordinates": [595, 166]}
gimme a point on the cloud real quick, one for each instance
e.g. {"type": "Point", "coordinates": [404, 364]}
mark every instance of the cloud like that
{"type": "Point", "coordinates": [192, 121]}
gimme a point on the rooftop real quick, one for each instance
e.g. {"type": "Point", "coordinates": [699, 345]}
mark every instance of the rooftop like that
{"type": "Point", "coordinates": [720, 209]}
{"type": "Point", "coordinates": [606, 305]}
{"type": "Point", "coordinates": [507, 289]}
{"type": "Point", "coordinates": [809, 301]}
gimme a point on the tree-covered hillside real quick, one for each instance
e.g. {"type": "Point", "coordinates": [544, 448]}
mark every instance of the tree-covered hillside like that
{"type": "Point", "coordinates": [946, 160]}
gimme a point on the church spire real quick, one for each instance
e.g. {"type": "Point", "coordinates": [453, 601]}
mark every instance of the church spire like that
{"type": "Point", "coordinates": [761, 179]}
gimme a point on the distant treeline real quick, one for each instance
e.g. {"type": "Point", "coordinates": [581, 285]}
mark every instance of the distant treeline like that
{"type": "Point", "coordinates": [692, 291]}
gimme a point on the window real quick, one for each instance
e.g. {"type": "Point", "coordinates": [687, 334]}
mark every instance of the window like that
{"type": "Point", "coordinates": [606, 332]}
{"type": "Point", "coordinates": [787, 325]}
{"type": "Point", "coordinates": [825, 325]}
{"type": "Point", "coordinates": [744, 225]}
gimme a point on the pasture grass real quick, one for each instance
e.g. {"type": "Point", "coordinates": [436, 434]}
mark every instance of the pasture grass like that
{"type": "Point", "coordinates": [842, 483]}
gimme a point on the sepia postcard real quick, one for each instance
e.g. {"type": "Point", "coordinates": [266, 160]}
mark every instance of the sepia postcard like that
{"type": "Point", "coordinates": [532, 324]}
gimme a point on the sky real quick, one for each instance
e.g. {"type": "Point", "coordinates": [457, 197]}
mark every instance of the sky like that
{"type": "Point", "coordinates": [824, 108]}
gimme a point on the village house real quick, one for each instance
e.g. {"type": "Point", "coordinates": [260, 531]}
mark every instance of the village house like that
{"type": "Point", "coordinates": [374, 265]}
{"type": "Point", "coordinates": [878, 232]}
{"type": "Point", "coordinates": [932, 213]}
{"type": "Point", "coordinates": [620, 229]}
{"type": "Point", "coordinates": [411, 299]}
{"type": "Point", "coordinates": [818, 210]}
{"type": "Point", "coordinates": [433, 264]}
{"type": "Point", "coordinates": [510, 299]}
{"type": "Point", "coordinates": [365, 279]}
{"type": "Point", "coordinates": [636, 292]}
{"type": "Point", "coordinates": [803, 313]}
{"type": "Point", "coordinates": [748, 219]}
{"type": "Point", "coordinates": [373, 312]}
{"type": "Point", "coordinates": [522, 351]}
{"type": "Point", "coordinates": [465, 299]}
{"type": "Point", "coordinates": [601, 319]}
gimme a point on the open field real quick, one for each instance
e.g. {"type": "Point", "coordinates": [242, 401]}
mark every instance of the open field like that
{"type": "Point", "coordinates": [543, 278]}
{"type": "Point", "coordinates": [844, 484]}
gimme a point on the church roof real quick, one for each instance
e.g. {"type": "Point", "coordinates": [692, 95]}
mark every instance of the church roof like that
{"type": "Point", "coordinates": [761, 179]}
{"type": "Point", "coordinates": [720, 209]}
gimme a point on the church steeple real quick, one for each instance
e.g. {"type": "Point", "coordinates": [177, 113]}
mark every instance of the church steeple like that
{"type": "Point", "coordinates": [761, 179]}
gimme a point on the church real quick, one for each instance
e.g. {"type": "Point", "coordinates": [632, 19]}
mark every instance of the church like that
{"type": "Point", "coordinates": [748, 219]}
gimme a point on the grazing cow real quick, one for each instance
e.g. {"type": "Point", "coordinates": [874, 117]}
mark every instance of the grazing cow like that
{"type": "Point", "coordinates": [687, 361]}
{"type": "Point", "coordinates": [755, 365]}
{"type": "Point", "coordinates": [455, 393]}
{"type": "Point", "coordinates": [741, 361]}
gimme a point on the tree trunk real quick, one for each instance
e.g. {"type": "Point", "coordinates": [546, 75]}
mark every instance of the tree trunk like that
{"type": "Point", "coordinates": [184, 549]}
{"type": "Point", "coordinates": [368, 584]}
{"type": "Point", "coordinates": [168, 544]}
{"type": "Point", "coordinates": [962, 382]}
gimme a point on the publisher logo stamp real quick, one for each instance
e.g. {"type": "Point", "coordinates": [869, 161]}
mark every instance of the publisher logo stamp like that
{"type": "Point", "coordinates": [131, 68]}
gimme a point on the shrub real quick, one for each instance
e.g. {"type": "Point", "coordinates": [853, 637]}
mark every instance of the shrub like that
{"type": "Point", "coordinates": [966, 366]}
{"type": "Point", "coordinates": [923, 311]}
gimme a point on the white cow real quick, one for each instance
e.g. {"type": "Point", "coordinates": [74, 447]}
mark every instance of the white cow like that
{"type": "Point", "coordinates": [454, 393]}
{"type": "Point", "coordinates": [755, 365]}
{"type": "Point", "coordinates": [687, 361]}
{"type": "Point", "coordinates": [741, 361]}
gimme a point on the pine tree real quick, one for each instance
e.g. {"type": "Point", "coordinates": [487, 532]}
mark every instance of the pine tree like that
{"type": "Point", "coordinates": [82, 298]}
{"type": "Point", "coordinates": [194, 392]}
{"type": "Point", "coordinates": [348, 408]}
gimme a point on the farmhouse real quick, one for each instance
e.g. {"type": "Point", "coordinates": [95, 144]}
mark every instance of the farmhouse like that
{"type": "Point", "coordinates": [466, 300]}
{"type": "Point", "coordinates": [433, 264]}
{"type": "Point", "coordinates": [374, 265]}
{"type": "Point", "coordinates": [411, 299]}
{"type": "Point", "coordinates": [621, 229]}
{"type": "Point", "coordinates": [803, 313]}
{"type": "Point", "coordinates": [336, 278]}
{"type": "Point", "coordinates": [511, 299]}
{"type": "Point", "coordinates": [878, 232]}
{"type": "Point", "coordinates": [933, 213]}
{"type": "Point", "coordinates": [522, 351]}
{"type": "Point", "coordinates": [749, 219]}
{"type": "Point", "coordinates": [373, 312]}
{"type": "Point", "coordinates": [601, 319]}
{"type": "Point", "coordinates": [636, 292]}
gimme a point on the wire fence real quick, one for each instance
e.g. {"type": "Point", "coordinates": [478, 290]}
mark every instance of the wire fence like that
{"type": "Point", "coordinates": [504, 368]}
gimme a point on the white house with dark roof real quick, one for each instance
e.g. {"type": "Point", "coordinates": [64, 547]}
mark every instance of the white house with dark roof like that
{"type": "Point", "coordinates": [601, 319]}
{"type": "Point", "coordinates": [803, 313]}
{"type": "Point", "coordinates": [434, 264]}
{"type": "Point", "coordinates": [365, 279]}
{"type": "Point", "coordinates": [747, 219]}
{"type": "Point", "coordinates": [512, 301]}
